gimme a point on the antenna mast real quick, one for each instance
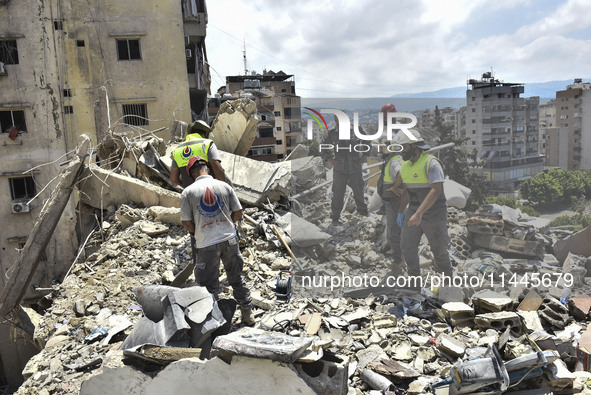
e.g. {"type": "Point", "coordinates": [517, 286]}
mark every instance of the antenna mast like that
{"type": "Point", "coordinates": [244, 57]}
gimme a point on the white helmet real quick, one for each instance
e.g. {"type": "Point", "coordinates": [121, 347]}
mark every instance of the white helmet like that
{"type": "Point", "coordinates": [402, 138]}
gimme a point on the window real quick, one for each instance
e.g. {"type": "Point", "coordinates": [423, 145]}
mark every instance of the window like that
{"type": "Point", "coordinates": [79, 43]}
{"type": "Point", "coordinates": [128, 49]}
{"type": "Point", "coordinates": [473, 121]}
{"type": "Point", "coordinates": [68, 110]}
{"type": "Point", "coordinates": [279, 142]}
{"type": "Point", "coordinates": [12, 118]}
{"type": "Point", "coordinates": [267, 132]}
{"type": "Point", "coordinates": [22, 188]}
{"type": "Point", "coordinates": [8, 52]}
{"type": "Point", "coordinates": [473, 109]}
{"type": "Point", "coordinates": [278, 128]}
{"type": "Point", "coordinates": [67, 93]}
{"type": "Point", "coordinates": [135, 114]}
{"type": "Point", "coordinates": [58, 24]}
{"type": "Point", "coordinates": [277, 113]}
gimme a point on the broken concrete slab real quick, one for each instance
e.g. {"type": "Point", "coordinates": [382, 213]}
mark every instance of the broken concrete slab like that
{"type": "Point", "coordinates": [257, 343]}
{"type": "Point", "coordinates": [169, 215]}
{"type": "Point", "coordinates": [530, 320]}
{"type": "Point", "coordinates": [577, 244]}
{"type": "Point", "coordinates": [303, 233]}
{"type": "Point", "coordinates": [101, 188]}
{"type": "Point", "coordinates": [450, 345]}
{"type": "Point", "coordinates": [576, 266]}
{"type": "Point", "coordinates": [300, 151]}
{"type": "Point", "coordinates": [499, 321]}
{"type": "Point", "coordinates": [458, 313]}
{"type": "Point", "coordinates": [234, 128]}
{"type": "Point", "coordinates": [255, 181]}
{"type": "Point", "coordinates": [246, 376]}
{"type": "Point", "coordinates": [506, 244]}
{"type": "Point", "coordinates": [326, 376]}
{"type": "Point", "coordinates": [488, 300]}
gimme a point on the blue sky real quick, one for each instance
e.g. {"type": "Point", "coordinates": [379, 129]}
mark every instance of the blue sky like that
{"type": "Point", "coordinates": [377, 48]}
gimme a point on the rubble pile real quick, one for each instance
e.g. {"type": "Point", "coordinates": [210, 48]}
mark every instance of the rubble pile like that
{"type": "Point", "coordinates": [527, 314]}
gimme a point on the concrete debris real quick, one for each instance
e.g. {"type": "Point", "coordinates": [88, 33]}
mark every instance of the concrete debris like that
{"type": "Point", "coordinates": [243, 375]}
{"type": "Point", "coordinates": [101, 188]}
{"type": "Point", "coordinates": [576, 244]}
{"type": "Point", "coordinates": [234, 127]}
{"type": "Point", "coordinates": [257, 182]}
{"type": "Point", "coordinates": [332, 335]}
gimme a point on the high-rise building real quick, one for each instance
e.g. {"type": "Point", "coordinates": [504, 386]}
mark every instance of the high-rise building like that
{"type": "Point", "coordinates": [279, 110]}
{"type": "Point", "coordinates": [503, 128]}
{"type": "Point", "coordinates": [568, 144]}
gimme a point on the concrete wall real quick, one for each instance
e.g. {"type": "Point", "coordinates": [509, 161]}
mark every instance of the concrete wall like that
{"type": "Point", "coordinates": [67, 53]}
{"type": "Point", "coordinates": [159, 79]}
{"type": "Point", "coordinates": [585, 112]}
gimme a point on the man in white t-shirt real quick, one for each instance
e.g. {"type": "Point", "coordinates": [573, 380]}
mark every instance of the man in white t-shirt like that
{"type": "Point", "coordinates": [209, 208]}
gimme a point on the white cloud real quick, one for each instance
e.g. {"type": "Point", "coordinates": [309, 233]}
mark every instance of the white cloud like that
{"type": "Point", "coordinates": [379, 48]}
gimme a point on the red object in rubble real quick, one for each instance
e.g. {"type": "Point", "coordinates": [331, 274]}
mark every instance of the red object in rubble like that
{"type": "Point", "coordinates": [13, 133]}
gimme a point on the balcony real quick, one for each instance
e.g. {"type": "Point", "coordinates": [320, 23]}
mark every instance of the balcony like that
{"type": "Point", "coordinates": [195, 25]}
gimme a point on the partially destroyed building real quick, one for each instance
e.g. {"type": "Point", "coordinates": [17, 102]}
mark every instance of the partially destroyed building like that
{"type": "Point", "coordinates": [96, 68]}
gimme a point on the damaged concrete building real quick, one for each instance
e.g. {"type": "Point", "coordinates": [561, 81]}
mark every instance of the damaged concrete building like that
{"type": "Point", "coordinates": [74, 68]}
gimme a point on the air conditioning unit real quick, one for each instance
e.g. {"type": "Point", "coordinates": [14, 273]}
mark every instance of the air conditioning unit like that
{"type": "Point", "coordinates": [188, 53]}
{"type": "Point", "coordinates": [2, 69]}
{"type": "Point", "coordinates": [20, 207]}
{"type": "Point", "coordinates": [187, 40]}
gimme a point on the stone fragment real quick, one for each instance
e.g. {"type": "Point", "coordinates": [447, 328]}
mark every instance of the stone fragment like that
{"type": "Point", "coordinates": [450, 345]}
{"type": "Point", "coordinates": [491, 301]}
{"type": "Point", "coordinates": [458, 313]}
{"type": "Point", "coordinates": [531, 321]}
{"type": "Point", "coordinates": [257, 343]}
{"type": "Point", "coordinates": [499, 321]}
{"type": "Point", "coordinates": [531, 302]}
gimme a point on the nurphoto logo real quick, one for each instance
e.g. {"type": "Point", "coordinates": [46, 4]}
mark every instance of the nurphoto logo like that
{"type": "Point", "coordinates": [393, 125]}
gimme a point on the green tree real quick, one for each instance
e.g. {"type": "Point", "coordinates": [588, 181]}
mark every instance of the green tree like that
{"type": "Point", "coordinates": [457, 161]}
{"type": "Point", "coordinates": [557, 186]}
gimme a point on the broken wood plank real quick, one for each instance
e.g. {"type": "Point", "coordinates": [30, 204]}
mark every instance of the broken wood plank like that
{"type": "Point", "coordinates": [27, 263]}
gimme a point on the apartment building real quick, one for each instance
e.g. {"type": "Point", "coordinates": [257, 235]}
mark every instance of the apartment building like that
{"type": "Point", "coordinates": [94, 67]}
{"type": "Point", "coordinates": [504, 128]}
{"type": "Point", "coordinates": [568, 143]}
{"type": "Point", "coordinates": [548, 131]}
{"type": "Point", "coordinates": [280, 127]}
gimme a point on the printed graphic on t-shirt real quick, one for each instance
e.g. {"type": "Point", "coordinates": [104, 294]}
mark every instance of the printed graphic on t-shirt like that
{"type": "Point", "coordinates": [210, 204]}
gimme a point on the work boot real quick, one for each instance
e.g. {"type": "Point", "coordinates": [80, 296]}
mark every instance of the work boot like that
{"type": "Point", "coordinates": [246, 313]}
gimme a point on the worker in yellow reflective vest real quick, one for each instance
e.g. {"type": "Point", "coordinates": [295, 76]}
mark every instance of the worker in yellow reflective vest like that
{"type": "Point", "coordinates": [422, 178]}
{"type": "Point", "coordinates": [196, 144]}
{"type": "Point", "coordinates": [391, 201]}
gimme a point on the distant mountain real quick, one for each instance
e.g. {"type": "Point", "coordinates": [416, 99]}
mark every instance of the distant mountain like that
{"type": "Point", "coordinates": [542, 89]}
{"type": "Point", "coordinates": [413, 102]}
